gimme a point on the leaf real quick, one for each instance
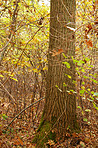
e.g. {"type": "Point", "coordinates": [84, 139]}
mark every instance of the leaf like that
{"type": "Point", "coordinates": [89, 43]}
{"type": "Point", "coordinates": [4, 116]}
{"type": "Point", "coordinates": [95, 94]}
{"type": "Point", "coordinates": [9, 11]}
{"type": "Point", "coordinates": [58, 88]}
{"type": "Point", "coordinates": [1, 76]}
{"type": "Point", "coordinates": [89, 26]}
{"type": "Point", "coordinates": [51, 142]}
{"type": "Point", "coordinates": [14, 79]}
{"type": "Point", "coordinates": [74, 135]}
{"type": "Point", "coordinates": [64, 84]}
{"type": "Point", "coordinates": [68, 76]}
{"type": "Point", "coordinates": [67, 64]}
{"type": "Point", "coordinates": [79, 107]}
{"type": "Point", "coordinates": [87, 59]}
{"type": "Point", "coordinates": [20, 141]}
{"type": "Point", "coordinates": [1, 3]}
{"type": "Point", "coordinates": [92, 92]}
{"type": "Point", "coordinates": [88, 110]}
{"type": "Point", "coordinates": [72, 29]}
{"type": "Point", "coordinates": [80, 62]}
{"type": "Point", "coordinates": [82, 144]}
{"type": "Point", "coordinates": [64, 55]}
{"type": "Point", "coordinates": [82, 91]}
{"type": "Point", "coordinates": [17, 141]}
{"type": "Point", "coordinates": [95, 106]}
{"type": "Point", "coordinates": [57, 52]}
{"type": "Point", "coordinates": [85, 119]}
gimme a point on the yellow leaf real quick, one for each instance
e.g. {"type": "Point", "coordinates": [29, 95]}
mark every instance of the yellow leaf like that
{"type": "Point", "coordinates": [1, 76]}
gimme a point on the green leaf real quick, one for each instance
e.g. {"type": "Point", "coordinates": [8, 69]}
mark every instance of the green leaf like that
{"type": "Point", "coordinates": [77, 69]}
{"type": "Point", "coordinates": [85, 119]}
{"type": "Point", "coordinates": [92, 92]}
{"type": "Point", "coordinates": [4, 116]}
{"type": "Point", "coordinates": [82, 91]}
{"type": "Point", "coordinates": [82, 70]}
{"type": "Point", "coordinates": [79, 107]}
{"type": "Point", "coordinates": [93, 80]}
{"type": "Point", "coordinates": [85, 77]}
{"type": "Point", "coordinates": [73, 91]}
{"type": "Point", "coordinates": [74, 82]}
{"type": "Point", "coordinates": [83, 83]}
{"type": "Point", "coordinates": [67, 64]}
{"type": "Point", "coordinates": [95, 106]}
{"type": "Point", "coordinates": [87, 59]}
{"type": "Point", "coordinates": [80, 63]}
{"type": "Point", "coordinates": [56, 86]}
{"type": "Point", "coordinates": [64, 55]}
{"type": "Point", "coordinates": [64, 84]}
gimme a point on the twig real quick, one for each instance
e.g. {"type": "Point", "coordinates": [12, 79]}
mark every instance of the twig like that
{"type": "Point", "coordinates": [13, 100]}
{"type": "Point", "coordinates": [24, 50]}
{"type": "Point", "coordinates": [23, 111]}
{"type": "Point", "coordinates": [10, 36]}
{"type": "Point", "coordinates": [4, 49]}
{"type": "Point", "coordinates": [66, 9]}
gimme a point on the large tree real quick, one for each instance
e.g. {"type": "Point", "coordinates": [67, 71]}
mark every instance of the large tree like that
{"type": "Point", "coordinates": [60, 102]}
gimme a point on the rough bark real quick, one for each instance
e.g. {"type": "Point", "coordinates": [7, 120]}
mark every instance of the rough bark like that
{"type": "Point", "coordinates": [58, 101]}
{"type": "Point", "coordinates": [60, 105]}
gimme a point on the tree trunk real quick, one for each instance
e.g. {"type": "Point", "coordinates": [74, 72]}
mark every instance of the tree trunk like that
{"type": "Point", "coordinates": [60, 103]}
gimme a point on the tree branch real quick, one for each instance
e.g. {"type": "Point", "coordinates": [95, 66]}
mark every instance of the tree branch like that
{"type": "Point", "coordinates": [23, 111]}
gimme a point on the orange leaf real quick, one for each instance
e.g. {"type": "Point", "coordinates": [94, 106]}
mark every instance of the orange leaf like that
{"type": "Point", "coordinates": [21, 142]}
{"type": "Point", "coordinates": [1, 4]}
{"type": "Point", "coordinates": [9, 11]}
{"type": "Point", "coordinates": [89, 26]}
{"type": "Point", "coordinates": [57, 52]}
{"type": "Point", "coordinates": [89, 43]}
{"type": "Point", "coordinates": [74, 135]}
{"type": "Point", "coordinates": [17, 141]}
{"type": "Point", "coordinates": [67, 135]}
{"type": "Point", "coordinates": [60, 50]}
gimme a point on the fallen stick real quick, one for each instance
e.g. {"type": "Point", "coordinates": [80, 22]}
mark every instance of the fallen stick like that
{"type": "Point", "coordinates": [23, 111]}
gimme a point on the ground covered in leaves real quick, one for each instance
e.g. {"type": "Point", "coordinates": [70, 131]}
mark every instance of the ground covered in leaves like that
{"type": "Point", "coordinates": [22, 131]}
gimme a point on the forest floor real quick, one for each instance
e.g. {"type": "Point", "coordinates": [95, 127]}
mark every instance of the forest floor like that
{"type": "Point", "coordinates": [22, 131]}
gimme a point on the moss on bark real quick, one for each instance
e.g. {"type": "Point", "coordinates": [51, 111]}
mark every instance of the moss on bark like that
{"type": "Point", "coordinates": [43, 134]}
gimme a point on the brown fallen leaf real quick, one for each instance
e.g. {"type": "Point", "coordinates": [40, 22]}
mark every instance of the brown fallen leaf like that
{"type": "Point", "coordinates": [89, 43]}
{"type": "Point", "coordinates": [57, 52]}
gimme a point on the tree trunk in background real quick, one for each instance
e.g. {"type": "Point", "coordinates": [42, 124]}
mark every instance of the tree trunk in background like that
{"type": "Point", "coordinates": [60, 105]}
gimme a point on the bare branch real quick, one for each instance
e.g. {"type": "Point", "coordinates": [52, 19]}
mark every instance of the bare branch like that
{"type": "Point", "coordinates": [23, 111]}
